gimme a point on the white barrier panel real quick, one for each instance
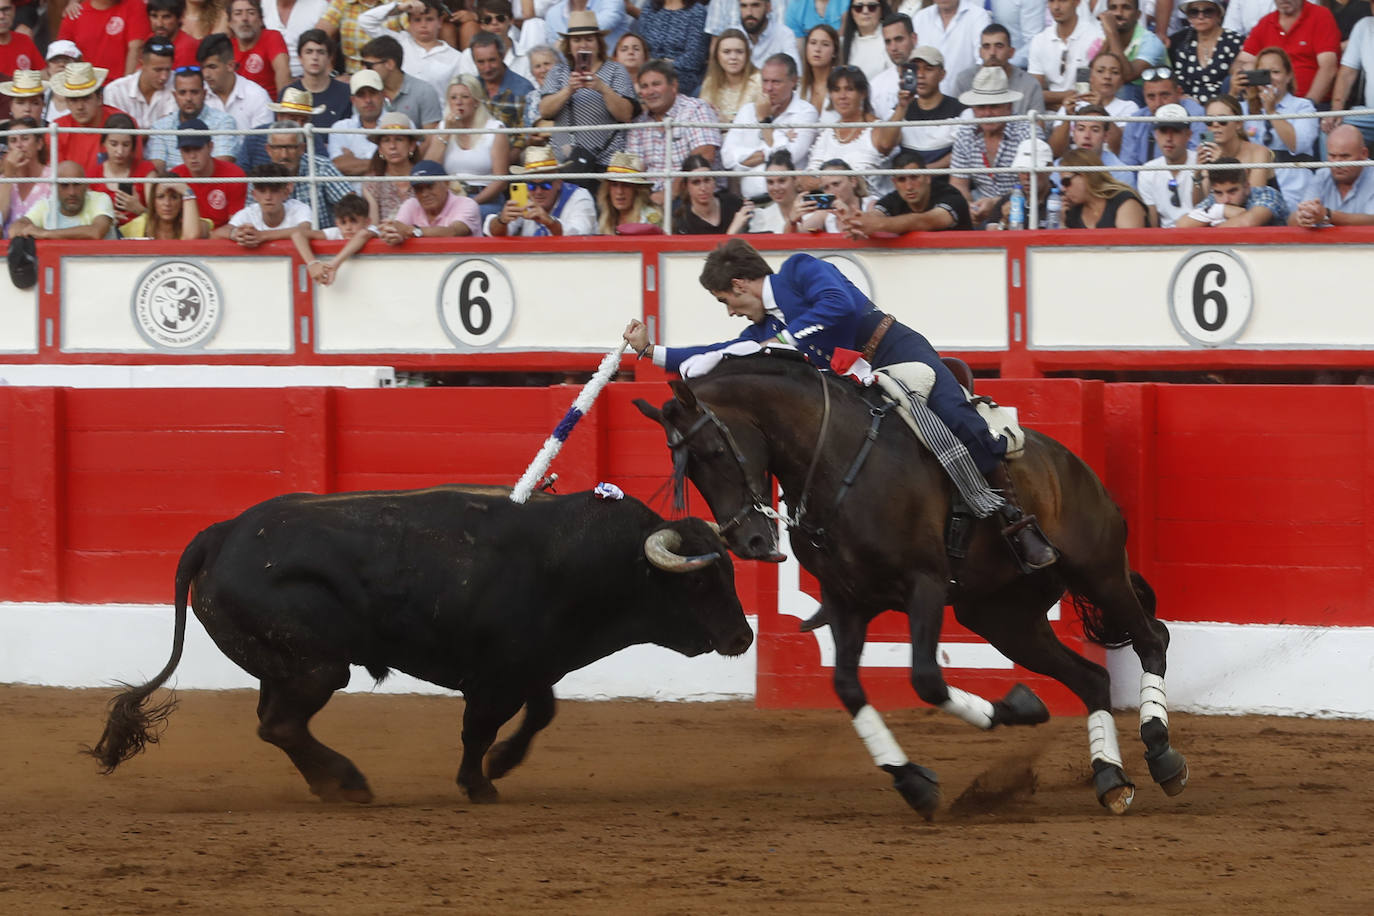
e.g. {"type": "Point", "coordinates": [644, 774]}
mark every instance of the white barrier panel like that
{"type": "Point", "coordinates": [86, 645]}
{"type": "Point", "coordinates": [955, 297]}
{"type": "Point", "coordinates": [130, 304]}
{"type": "Point", "coordinates": [180, 376]}
{"type": "Point", "coordinates": [18, 319]}
{"type": "Point", "coordinates": [475, 303]}
{"type": "Point", "coordinates": [1242, 297]}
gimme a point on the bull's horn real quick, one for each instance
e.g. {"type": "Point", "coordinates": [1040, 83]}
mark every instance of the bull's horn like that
{"type": "Point", "coordinates": [661, 546]}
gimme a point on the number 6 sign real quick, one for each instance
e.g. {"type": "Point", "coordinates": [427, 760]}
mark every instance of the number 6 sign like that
{"type": "Point", "coordinates": [476, 303]}
{"type": "Point", "coordinates": [1210, 297]}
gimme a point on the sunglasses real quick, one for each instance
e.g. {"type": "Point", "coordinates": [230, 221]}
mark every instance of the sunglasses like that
{"type": "Point", "coordinates": [1217, 123]}
{"type": "Point", "coordinates": [370, 64]}
{"type": "Point", "coordinates": [1065, 181]}
{"type": "Point", "coordinates": [494, 19]}
{"type": "Point", "coordinates": [865, 7]}
{"type": "Point", "coordinates": [1157, 73]}
{"type": "Point", "coordinates": [1200, 12]}
{"type": "Point", "coordinates": [160, 48]}
{"type": "Point", "coordinates": [187, 70]}
{"type": "Point", "coordinates": [541, 185]}
{"type": "Point", "coordinates": [1173, 192]}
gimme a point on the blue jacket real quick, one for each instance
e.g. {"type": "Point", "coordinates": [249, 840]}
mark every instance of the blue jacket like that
{"type": "Point", "coordinates": [821, 309]}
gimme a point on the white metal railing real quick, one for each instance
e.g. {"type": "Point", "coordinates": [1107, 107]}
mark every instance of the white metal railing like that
{"type": "Point", "coordinates": [312, 134]}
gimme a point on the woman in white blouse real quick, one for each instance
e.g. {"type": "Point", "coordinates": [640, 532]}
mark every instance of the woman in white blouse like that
{"type": "Point", "coordinates": [863, 36]}
{"type": "Point", "coordinates": [848, 93]}
{"type": "Point", "coordinates": [473, 154]}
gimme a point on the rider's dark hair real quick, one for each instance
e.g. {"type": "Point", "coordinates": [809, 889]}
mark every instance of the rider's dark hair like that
{"type": "Point", "coordinates": [733, 260]}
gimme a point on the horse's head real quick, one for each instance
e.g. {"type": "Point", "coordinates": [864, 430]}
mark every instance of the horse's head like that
{"type": "Point", "coordinates": [727, 463]}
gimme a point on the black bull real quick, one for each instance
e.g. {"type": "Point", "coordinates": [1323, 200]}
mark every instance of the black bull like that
{"type": "Point", "coordinates": [454, 585]}
{"type": "Point", "coordinates": [880, 544]}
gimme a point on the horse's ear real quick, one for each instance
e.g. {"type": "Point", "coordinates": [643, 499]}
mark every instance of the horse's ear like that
{"type": "Point", "coordinates": [649, 410]}
{"type": "Point", "coordinates": [683, 393]}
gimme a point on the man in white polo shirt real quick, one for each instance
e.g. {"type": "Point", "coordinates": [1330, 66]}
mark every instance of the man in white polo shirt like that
{"type": "Point", "coordinates": [1057, 52]}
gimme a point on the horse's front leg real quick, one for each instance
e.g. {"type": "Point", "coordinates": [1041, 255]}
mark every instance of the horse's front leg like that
{"type": "Point", "coordinates": [917, 785]}
{"type": "Point", "coordinates": [1151, 642]}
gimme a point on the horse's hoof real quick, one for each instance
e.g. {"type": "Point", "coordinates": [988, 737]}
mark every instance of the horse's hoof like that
{"type": "Point", "coordinates": [918, 786]}
{"type": "Point", "coordinates": [1020, 707]}
{"type": "Point", "coordinates": [1118, 800]}
{"type": "Point", "coordinates": [352, 789]}
{"type": "Point", "coordinates": [1113, 789]}
{"type": "Point", "coordinates": [1176, 784]}
{"type": "Point", "coordinates": [1168, 766]}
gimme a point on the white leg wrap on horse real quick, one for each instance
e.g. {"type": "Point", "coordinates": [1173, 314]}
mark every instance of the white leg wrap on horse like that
{"type": "Point", "coordinates": [879, 741]}
{"type": "Point", "coordinates": [1153, 703]}
{"type": "Point", "coordinates": [1102, 738]}
{"type": "Point", "coordinates": [970, 707]}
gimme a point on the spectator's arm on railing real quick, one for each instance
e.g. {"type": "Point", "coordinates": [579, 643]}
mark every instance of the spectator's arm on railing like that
{"type": "Point", "coordinates": [97, 229]}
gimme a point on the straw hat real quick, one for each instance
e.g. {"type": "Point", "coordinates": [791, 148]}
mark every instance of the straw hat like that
{"type": "Point", "coordinates": [78, 79]}
{"type": "Point", "coordinates": [537, 159]}
{"type": "Point", "coordinates": [627, 168]}
{"type": "Point", "coordinates": [582, 22]}
{"type": "Point", "coordinates": [397, 121]}
{"type": "Point", "coordinates": [296, 101]}
{"type": "Point", "coordinates": [990, 88]}
{"type": "Point", "coordinates": [26, 83]}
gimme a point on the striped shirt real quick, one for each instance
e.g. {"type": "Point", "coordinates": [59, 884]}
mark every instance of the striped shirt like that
{"type": "Point", "coordinates": [585, 107]}
{"type": "Point", "coordinates": [650, 143]}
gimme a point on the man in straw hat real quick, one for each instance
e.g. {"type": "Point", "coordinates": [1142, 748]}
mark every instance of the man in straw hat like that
{"type": "Point", "coordinates": [80, 85]}
{"type": "Point", "coordinates": [25, 93]}
{"type": "Point", "coordinates": [146, 95]}
{"type": "Point", "coordinates": [296, 106]}
{"type": "Point", "coordinates": [109, 33]}
{"type": "Point", "coordinates": [17, 50]}
{"type": "Point", "coordinates": [979, 146]}
{"type": "Point", "coordinates": [553, 206]}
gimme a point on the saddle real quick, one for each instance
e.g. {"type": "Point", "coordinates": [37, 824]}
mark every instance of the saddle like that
{"type": "Point", "coordinates": [920, 378]}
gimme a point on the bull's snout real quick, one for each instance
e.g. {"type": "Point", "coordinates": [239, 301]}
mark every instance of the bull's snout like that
{"type": "Point", "coordinates": [739, 643]}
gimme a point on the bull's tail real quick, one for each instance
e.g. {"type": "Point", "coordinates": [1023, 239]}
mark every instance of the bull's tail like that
{"type": "Point", "coordinates": [132, 724]}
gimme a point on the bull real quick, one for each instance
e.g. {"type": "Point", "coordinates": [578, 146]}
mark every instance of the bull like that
{"type": "Point", "coordinates": [454, 585]}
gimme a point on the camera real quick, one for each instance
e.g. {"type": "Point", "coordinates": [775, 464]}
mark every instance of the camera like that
{"type": "Point", "coordinates": [908, 78]}
{"type": "Point", "coordinates": [1081, 84]}
{"type": "Point", "coordinates": [823, 201]}
{"type": "Point", "coordinates": [1258, 77]}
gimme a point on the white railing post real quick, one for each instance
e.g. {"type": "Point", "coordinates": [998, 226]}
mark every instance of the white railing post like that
{"type": "Point", "coordinates": [668, 181]}
{"type": "Point", "coordinates": [310, 171]}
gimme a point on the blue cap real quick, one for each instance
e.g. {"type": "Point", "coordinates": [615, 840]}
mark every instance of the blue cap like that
{"type": "Point", "coordinates": [192, 142]}
{"type": "Point", "coordinates": [426, 167]}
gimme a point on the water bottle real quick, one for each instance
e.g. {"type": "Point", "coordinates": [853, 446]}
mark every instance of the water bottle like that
{"type": "Point", "coordinates": [1016, 219]}
{"type": "Point", "coordinates": [1054, 210]}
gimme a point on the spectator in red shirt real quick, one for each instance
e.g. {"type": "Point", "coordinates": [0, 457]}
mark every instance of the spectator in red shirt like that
{"type": "Point", "coordinates": [79, 84]}
{"type": "Point", "coordinates": [217, 202]}
{"type": "Point", "coordinates": [260, 52]}
{"type": "Point", "coordinates": [121, 166]}
{"type": "Point", "coordinates": [17, 50]}
{"type": "Point", "coordinates": [109, 33]}
{"type": "Point", "coordinates": [164, 21]}
{"type": "Point", "coordinates": [1308, 32]}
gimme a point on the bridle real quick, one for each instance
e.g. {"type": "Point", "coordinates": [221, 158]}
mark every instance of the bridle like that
{"type": "Point", "coordinates": [757, 502]}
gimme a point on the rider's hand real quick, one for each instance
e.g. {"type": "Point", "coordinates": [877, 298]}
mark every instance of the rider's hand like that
{"type": "Point", "coordinates": [636, 335]}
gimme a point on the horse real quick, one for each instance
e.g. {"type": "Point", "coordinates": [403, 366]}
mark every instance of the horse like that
{"type": "Point", "coordinates": [870, 512]}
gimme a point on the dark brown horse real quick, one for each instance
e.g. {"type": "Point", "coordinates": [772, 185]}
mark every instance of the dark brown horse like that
{"type": "Point", "coordinates": [879, 543]}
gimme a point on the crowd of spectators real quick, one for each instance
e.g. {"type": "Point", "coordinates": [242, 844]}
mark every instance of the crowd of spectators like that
{"type": "Point", "coordinates": [752, 88]}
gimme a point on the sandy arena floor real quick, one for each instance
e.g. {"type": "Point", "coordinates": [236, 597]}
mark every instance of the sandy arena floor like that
{"type": "Point", "coordinates": [673, 808]}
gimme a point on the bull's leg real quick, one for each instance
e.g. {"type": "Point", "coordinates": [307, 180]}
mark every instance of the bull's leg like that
{"type": "Point", "coordinates": [482, 719]}
{"type": "Point", "coordinates": [507, 754]}
{"type": "Point", "coordinates": [285, 707]}
{"type": "Point", "coordinates": [917, 785]}
{"type": "Point", "coordinates": [1014, 623]}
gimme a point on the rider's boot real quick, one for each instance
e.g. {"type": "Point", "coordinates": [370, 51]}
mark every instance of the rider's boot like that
{"type": "Point", "coordinates": [1022, 532]}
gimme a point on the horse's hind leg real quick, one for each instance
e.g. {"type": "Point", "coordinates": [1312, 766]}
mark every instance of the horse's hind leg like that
{"type": "Point", "coordinates": [1127, 607]}
{"type": "Point", "coordinates": [285, 707]}
{"type": "Point", "coordinates": [916, 784]}
{"type": "Point", "coordinates": [1014, 622]}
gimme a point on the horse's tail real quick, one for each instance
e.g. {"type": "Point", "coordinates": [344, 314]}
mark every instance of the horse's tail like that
{"type": "Point", "coordinates": [1105, 630]}
{"type": "Point", "coordinates": [131, 726]}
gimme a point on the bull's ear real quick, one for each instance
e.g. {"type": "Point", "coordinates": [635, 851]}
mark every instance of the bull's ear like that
{"type": "Point", "coordinates": [649, 410]}
{"type": "Point", "coordinates": [683, 393]}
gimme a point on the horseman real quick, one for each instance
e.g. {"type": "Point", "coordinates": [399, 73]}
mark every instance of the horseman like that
{"type": "Point", "coordinates": [810, 305]}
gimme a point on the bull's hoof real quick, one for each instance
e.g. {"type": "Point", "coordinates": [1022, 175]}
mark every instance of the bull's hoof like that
{"type": "Point", "coordinates": [484, 794]}
{"type": "Point", "coordinates": [503, 758]}
{"type": "Point", "coordinates": [918, 786]}
{"type": "Point", "coordinates": [355, 791]}
{"type": "Point", "coordinates": [1020, 707]}
{"type": "Point", "coordinates": [1114, 790]}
